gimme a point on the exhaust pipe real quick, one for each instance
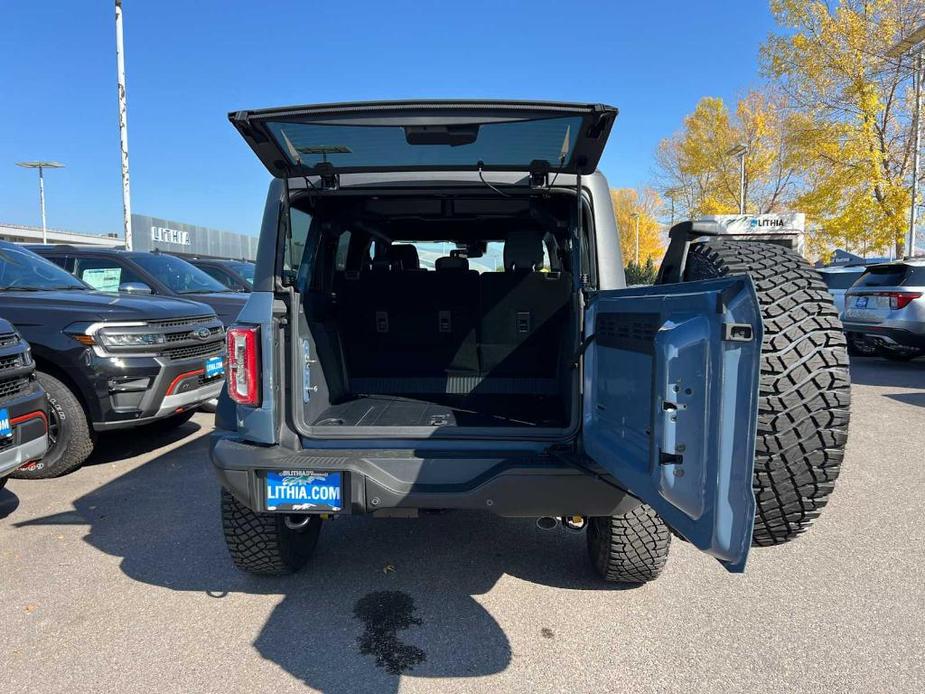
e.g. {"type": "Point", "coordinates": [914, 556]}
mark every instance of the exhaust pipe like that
{"type": "Point", "coordinates": [296, 522]}
{"type": "Point", "coordinates": [547, 523]}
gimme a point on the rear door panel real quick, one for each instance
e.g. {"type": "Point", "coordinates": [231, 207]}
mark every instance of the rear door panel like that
{"type": "Point", "coordinates": [670, 404]}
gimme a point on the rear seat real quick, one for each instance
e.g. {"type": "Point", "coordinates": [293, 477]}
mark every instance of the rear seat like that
{"type": "Point", "coordinates": [451, 330]}
{"type": "Point", "coordinates": [524, 313]}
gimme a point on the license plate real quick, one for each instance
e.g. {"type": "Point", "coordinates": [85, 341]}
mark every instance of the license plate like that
{"type": "Point", "coordinates": [214, 367]}
{"type": "Point", "coordinates": [5, 428]}
{"type": "Point", "coordinates": [304, 490]}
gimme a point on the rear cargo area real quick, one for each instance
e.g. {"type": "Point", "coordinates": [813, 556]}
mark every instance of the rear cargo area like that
{"type": "Point", "coordinates": [440, 344]}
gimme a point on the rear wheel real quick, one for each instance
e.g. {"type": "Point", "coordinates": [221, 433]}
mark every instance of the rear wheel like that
{"type": "Point", "coordinates": [70, 437]}
{"type": "Point", "coordinates": [630, 548]}
{"type": "Point", "coordinates": [805, 387]}
{"type": "Point", "coordinates": [261, 543]}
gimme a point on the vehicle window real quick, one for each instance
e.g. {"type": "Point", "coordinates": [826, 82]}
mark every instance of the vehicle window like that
{"type": "Point", "coordinates": [21, 269]}
{"type": "Point", "coordinates": [219, 275]}
{"type": "Point", "coordinates": [299, 224]}
{"type": "Point", "coordinates": [104, 274]}
{"type": "Point", "coordinates": [840, 280]}
{"type": "Point", "coordinates": [246, 270]}
{"type": "Point", "coordinates": [343, 249]}
{"type": "Point", "coordinates": [886, 276]}
{"type": "Point", "coordinates": [490, 261]}
{"type": "Point", "coordinates": [915, 277]}
{"type": "Point", "coordinates": [177, 274]}
{"type": "Point", "coordinates": [62, 261]}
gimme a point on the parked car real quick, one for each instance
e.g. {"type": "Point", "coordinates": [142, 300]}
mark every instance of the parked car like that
{"type": "Point", "coordinates": [234, 274]}
{"type": "Point", "coordinates": [838, 278]}
{"type": "Point", "coordinates": [23, 406]}
{"type": "Point", "coordinates": [885, 307]}
{"type": "Point", "coordinates": [107, 361]}
{"type": "Point", "coordinates": [361, 383]}
{"type": "Point", "coordinates": [134, 272]}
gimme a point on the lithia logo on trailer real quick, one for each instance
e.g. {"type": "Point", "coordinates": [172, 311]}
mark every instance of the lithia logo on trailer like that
{"type": "Point", "coordinates": [764, 222]}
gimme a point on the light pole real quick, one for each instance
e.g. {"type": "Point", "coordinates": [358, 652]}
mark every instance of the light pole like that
{"type": "Point", "coordinates": [740, 151]}
{"type": "Point", "coordinates": [123, 130]}
{"type": "Point", "coordinates": [41, 166]}
{"type": "Point", "coordinates": [635, 216]}
{"type": "Point", "coordinates": [913, 41]}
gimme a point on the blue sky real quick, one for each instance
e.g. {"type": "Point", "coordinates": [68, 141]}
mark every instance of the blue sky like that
{"type": "Point", "coordinates": [189, 63]}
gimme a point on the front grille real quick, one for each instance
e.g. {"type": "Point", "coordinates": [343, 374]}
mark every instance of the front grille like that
{"type": "Point", "coordinates": [210, 349]}
{"type": "Point", "coordinates": [178, 337]}
{"type": "Point", "coordinates": [13, 361]}
{"type": "Point", "coordinates": [10, 389]}
{"type": "Point", "coordinates": [7, 339]}
{"type": "Point", "coordinates": [181, 322]}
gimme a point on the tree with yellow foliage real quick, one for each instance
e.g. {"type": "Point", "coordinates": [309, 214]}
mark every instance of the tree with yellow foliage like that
{"type": "Point", "coordinates": [627, 203]}
{"type": "Point", "coordinates": [699, 175]}
{"type": "Point", "coordinates": [852, 115]}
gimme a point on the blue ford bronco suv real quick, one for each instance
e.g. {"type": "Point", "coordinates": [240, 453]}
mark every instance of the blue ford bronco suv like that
{"type": "Point", "coordinates": [440, 321]}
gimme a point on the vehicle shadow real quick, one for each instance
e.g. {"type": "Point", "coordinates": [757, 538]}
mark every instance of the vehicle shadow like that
{"type": "Point", "coordinates": [115, 446]}
{"type": "Point", "coordinates": [874, 371]}
{"type": "Point", "coordinates": [9, 502]}
{"type": "Point", "coordinates": [400, 591]}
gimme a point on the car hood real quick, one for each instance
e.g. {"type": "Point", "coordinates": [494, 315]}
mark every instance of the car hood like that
{"type": "Point", "coordinates": [226, 304]}
{"type": "Point", "coordinates": [25, 308]}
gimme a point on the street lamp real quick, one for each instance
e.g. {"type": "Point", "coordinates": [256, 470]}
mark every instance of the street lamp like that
{"type": "Point", "coordinates": [123, 129]}
{"type": "Point", "coordinates": [913, 41]}
{"type": "Point", "coordinates": [41, 166]}
{"type": "Point", "coordinates": [635, 216]}
{"type": "Point", "coordinates": [740, 151]}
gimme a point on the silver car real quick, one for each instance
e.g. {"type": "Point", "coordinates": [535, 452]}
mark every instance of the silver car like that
{"type": "Point", "coordinates": [885, 307]}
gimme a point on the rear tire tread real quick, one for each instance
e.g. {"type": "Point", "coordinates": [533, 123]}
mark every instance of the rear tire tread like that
{"type": "Point", "coordinates": [631, 548]}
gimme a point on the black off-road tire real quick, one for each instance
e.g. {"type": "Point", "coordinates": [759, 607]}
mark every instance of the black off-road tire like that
{"type": "Point", "coordinates": [631, 548]}
{"type": "Point", "coordinates": [804, 398]}
{"type": "Point", "coordinates": [260, 543]}
{"type": "Point", "coordinates": [70, 437]}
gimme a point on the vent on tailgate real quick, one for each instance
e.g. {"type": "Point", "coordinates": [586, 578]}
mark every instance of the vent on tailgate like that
{"type": "Point", "coordinates": [634, 332]}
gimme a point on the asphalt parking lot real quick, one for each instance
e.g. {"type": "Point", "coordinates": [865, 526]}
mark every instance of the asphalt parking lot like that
{"type": "Point", "coordinates": [116, 578]}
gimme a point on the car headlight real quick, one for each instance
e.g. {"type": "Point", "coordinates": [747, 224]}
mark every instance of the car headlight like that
{"type": "Point", "coordinates": [114, 339]}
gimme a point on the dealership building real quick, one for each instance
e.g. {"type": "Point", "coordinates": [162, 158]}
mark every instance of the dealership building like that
{"type": "Point", "coordinates": [148, 234]}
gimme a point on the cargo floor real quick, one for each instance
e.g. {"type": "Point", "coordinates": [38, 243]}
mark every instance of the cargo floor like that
{"type": "Point", "coordinates": [473, 411]}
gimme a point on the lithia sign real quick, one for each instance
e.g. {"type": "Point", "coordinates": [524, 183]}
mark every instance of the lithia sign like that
{"type": "Point", "coordinates": [167, 235]}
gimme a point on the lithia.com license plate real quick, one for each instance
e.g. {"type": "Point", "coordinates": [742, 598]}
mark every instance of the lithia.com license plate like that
{"type": "Point", "coordinates": [304, 490]}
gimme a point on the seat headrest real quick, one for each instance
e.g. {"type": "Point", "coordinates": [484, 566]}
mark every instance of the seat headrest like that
{"type": "Point", "coordinates": [404, 256]}
{"type": "Point", "coordinates": [523, 251]}
{"type": "Point", "coordinates": [453, 262]}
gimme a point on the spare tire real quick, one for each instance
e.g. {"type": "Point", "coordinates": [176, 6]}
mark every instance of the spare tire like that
{"type": "Point", "coordinates": [805, 386]}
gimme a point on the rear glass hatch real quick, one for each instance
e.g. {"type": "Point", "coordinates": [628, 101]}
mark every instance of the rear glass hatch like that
{"type": "Point", "coordinates": [331, 139]}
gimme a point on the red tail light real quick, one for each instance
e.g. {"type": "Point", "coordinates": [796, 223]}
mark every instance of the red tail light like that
{"type": "Point", "coordinates": [900, 300]}
{"type": "Point", "coordinates": [244, 365]}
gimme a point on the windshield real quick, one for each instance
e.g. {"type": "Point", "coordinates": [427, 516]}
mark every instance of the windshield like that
{"type": "Point", "coordinates": [506, 144]}
{"type": "Point", "coordinates": [246, 270]}
{"type": "Point", "coordinates": [178, 275]}
{"type": "Point", "coordinates": [23, 270]}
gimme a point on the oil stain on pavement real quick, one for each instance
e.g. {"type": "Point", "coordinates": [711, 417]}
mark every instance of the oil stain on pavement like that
{"type": "Point", "coordinates": [384, 614]}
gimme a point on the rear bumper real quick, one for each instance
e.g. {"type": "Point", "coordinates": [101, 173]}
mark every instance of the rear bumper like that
{"type": "Point", "coordinates": [889, 335]}
{"type": "Point", "coordinates": [29, 422]}
{"type": "Point", "coordinates": [505, 484]}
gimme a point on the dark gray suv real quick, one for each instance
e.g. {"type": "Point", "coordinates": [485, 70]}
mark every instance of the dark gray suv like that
{"type": "Point", "coordinates": [440, 321]}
